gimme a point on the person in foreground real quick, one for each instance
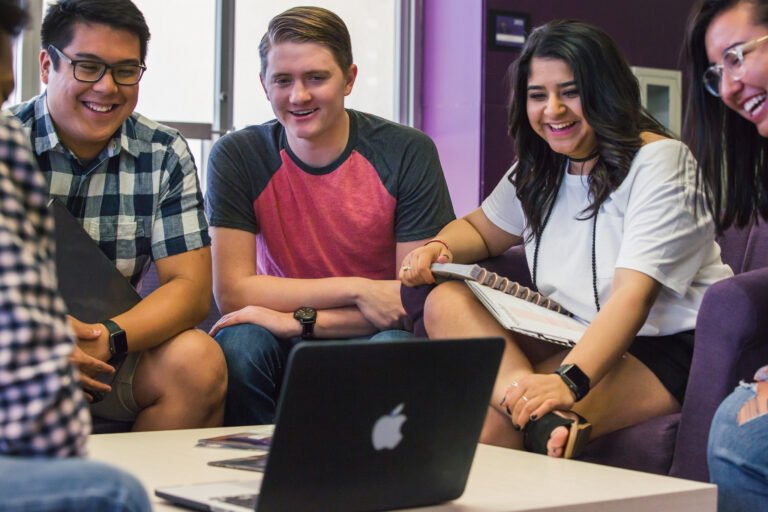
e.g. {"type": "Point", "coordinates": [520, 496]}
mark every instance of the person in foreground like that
{"type": "Point", "coordinates": [727, 128]}
{"type": "Point", "coordinates": [312, 213]}
{"type": "Point", "coordinates": [44, 420]}
{"type": "Point", "coordinates": [133, 185]}
{"type": "Point", "coordinates": [614, 230]}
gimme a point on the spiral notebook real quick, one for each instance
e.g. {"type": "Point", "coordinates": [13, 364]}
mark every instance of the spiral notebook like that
{"type": "Point", "coordinates": [516, 307]}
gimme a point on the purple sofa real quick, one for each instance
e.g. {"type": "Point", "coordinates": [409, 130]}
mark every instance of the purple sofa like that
{"type": "Point", "coordinates": [731, 343]}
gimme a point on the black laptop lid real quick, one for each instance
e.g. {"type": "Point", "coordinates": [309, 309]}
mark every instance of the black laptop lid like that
{"type": "Point", "coordinates": [324, 455]}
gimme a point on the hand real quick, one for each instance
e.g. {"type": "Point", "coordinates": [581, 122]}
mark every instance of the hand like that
{"type": "Point", "coordinates": [93, 339]}
{"type": "Point", "coordinates": [533, 396]}
{"type": "Point", "coordinates": [90, 368]}
{"type": "Point", "coordinates": [282, 325]}
{"type": "Point", "coordinates": [380, 304]}
{"type": "Point", "coordinates": [415, 269]}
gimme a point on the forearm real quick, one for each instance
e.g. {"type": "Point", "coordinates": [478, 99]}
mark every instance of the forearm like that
{"type": "Point", "coordinates": [610, 334]}
{"type": "Point", "coordinates": [464, 241]}
{"type": "Point", "coordinates": [287, 294]}
{"type": "Point", "coordinates": [175, 306]}
{"type": "Point", "coordinates": [342, 323]}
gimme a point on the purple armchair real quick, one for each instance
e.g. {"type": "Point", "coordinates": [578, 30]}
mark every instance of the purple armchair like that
{"type": "Point", "coordinates": [731, 343]}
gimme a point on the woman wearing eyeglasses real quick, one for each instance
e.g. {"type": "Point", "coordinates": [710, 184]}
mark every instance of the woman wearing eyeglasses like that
{"type": "Point", "coordinates": [727, 128]}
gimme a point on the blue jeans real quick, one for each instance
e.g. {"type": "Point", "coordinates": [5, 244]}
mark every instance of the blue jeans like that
{"type": "Point", "coordinates": [63, 485]}
{"type": "Point", "coordinates": [256, 362]}
{"type": "Point", "coordinates": [738, 456]}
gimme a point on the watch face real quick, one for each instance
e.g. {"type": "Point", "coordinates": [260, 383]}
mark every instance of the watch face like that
{"type": "Point", "coordinates": [305, 314]}
{"type": "Point", "coordinates": [575, 379]}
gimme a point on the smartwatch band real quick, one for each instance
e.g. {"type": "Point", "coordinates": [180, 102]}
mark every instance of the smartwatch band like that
{"type": "Point", "coordinates": [118, 340]}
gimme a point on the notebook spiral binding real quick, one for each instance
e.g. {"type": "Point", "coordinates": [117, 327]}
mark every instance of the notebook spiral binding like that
{"type": "Point", "coordinates": [503, 284]}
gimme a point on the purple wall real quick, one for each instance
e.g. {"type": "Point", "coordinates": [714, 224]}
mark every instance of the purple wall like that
{"type": "Point", "coordinates": [649, 33]}
{"type": "Point", "coordinates": [452, 93]}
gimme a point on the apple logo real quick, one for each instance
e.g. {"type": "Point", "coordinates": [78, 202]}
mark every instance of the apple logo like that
{"type": "Point", "coordinates": [386, 431]}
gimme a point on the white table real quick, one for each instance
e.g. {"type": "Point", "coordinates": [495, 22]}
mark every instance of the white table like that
{"type": "Point", "coordinates": [500, 480]}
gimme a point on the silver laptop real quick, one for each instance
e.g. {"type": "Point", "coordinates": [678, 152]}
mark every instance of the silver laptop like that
{"type": "Point", "coordinates": [367, 426]}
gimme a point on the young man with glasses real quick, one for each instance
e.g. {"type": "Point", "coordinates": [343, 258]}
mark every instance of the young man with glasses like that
{"type": "Point", "coordinates": [133, 185]}
{"type": "Point", "coordinates": [44, 421]}
{"type": "Point", "coordinates": [312, 213]}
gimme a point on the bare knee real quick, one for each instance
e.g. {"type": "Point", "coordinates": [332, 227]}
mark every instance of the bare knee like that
{"type": "Point", "coordinates": [497, 430]}
{"type": "Point", "coordinates": [443, 305]}
{"type": "Point", "coordinates": [192, 365]}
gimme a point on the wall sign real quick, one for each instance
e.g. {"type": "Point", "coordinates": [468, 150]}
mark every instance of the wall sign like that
{"type": "Point", "coordinates": [507, 30]}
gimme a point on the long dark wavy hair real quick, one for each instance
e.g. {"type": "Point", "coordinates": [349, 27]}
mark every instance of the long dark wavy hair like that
{"type": "Point", "coordinates": [731, 154]}
{"type": "Point", "coordinates": [610, 100]}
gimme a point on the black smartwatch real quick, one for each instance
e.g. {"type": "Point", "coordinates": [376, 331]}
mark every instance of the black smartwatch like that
{"type": "Point", "coordinates": [118, 341]}
{"type": "Point", "coordinates": [576, 380]}
{"type": "Point", "coordinates": [307, 317]}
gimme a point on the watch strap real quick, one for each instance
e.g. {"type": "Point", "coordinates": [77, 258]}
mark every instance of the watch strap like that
{"type": "Point", "coordinates": [307, 317]}
{"type": "Point", "coordinates": [307, 330]}
{"type": "Point", "coordinates": [118, 340]}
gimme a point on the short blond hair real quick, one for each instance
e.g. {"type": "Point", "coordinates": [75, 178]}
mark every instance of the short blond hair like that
{"type": "Point", "coordinates": [308, 25]}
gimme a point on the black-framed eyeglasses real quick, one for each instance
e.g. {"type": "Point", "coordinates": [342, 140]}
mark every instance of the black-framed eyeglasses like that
{"type": "Point", "coordinates": [733, 65]}
{"type": "Point", "coordinates": [91, 71]}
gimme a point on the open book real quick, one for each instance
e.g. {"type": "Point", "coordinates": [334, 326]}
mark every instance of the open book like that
{"type": "Point", "coordinates": [516, 307]}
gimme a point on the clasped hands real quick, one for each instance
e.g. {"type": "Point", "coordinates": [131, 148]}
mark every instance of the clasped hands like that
{"type": "Point", "coordinates": [90, 355]}
{"type": "Point", "coordinates": [534, 395]}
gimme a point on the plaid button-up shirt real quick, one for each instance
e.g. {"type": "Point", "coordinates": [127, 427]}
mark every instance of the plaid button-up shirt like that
{"type": "Point", "coordinates": [139, 199]}
{"type": "Point", "coordinates": [42, 409]}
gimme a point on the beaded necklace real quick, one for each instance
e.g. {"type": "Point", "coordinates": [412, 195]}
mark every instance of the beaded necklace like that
{"type": "Point", "coordinates": [594, 233]}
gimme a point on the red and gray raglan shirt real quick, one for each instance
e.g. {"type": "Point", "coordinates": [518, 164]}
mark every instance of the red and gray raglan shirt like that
{"type": "Point", "coordinates": [340, 220]}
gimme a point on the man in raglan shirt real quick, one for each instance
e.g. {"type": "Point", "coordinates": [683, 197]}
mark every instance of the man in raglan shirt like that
{"type": "Point", "coordinates": [312, 213]}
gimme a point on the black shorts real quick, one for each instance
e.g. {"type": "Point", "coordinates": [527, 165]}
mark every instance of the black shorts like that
{"type": "Point", "coordinates": [668, 357]}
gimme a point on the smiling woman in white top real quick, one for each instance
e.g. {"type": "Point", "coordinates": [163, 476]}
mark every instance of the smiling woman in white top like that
{"type": "Point", "coordinates": [614, 229]}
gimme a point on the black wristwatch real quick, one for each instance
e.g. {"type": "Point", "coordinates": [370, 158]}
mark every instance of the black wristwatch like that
{"type": "Point", "coordinates": [118, 341]}
{"type": "Point", "coordinates": [576, 380]}
{"type": "Point", "coordinates": [307, 317]}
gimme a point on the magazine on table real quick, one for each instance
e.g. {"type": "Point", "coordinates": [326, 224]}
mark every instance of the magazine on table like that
{"type": "Point", "coordinates": [254, 440]}
{"type": "Point", "coordinates": [516, 307]}
{"type": "Point", "coordinates": [252, 463]}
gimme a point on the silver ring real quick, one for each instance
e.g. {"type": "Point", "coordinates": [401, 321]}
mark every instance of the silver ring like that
{"type": "Point", "coordinates": [405, 267]}
{"type": "Point", "coordinates": [525, 398]}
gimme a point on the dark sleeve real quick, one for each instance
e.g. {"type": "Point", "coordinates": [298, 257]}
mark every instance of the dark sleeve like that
{"type": "Point", "coordinates": [423, 202]}
{"type": "Point", "coordinates": [239, 168]}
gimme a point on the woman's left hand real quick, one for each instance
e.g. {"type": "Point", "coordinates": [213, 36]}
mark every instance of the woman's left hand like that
{"type": "Point", "coordinates": [533, 396]}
